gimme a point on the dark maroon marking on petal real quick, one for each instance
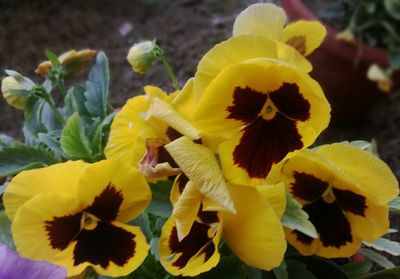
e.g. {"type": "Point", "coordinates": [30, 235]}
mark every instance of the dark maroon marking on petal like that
{"type": "Point", "coordinates": [106, 205]}
{"type": "Point", "coordinates": [330, 222]}
{"type": "Point", "coordinates": [182, 181]}
{"type": "Point", "coordinates": [290, 102]}
{"type": "Point", "coordinates": [303, 238]}
{"type": "Point", "coordinates": [266, 142]}
{"type": "Point", "coordinates": [350, 201]}
{"type": "Point", "coordinates": [208, 217]}
{"type": "Point", "coordinates": [62, 230]}
{"type": "Point", "coordinates": [165, 157]}
{"type": "Point", "coordinates": [197, 240]}
{"type": "Point", "coordinates": [173, 134]}
{"type": "Point", "coordinates": [104, 244]}
{"type": "Point", "coordinates": [247, 104]}
{"type": "Point", "coordinates": [307, 187]}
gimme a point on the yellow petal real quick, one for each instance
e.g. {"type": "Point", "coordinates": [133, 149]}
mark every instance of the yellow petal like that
{"type": "Point", "coordinates": [136, 256]}
{"type": "Point", "coordinates": [113, 191]}
{"type": "Point", "coordinates": [377, 181]}
{"type": "Point", "coordinates": [305, 36]}
{"type": "Point", "coordinates": [58, 178]}
{"type": "Point", "coordinates": [162, 110]}
{"type": "Point", "coordinates": [198, 163]}
{"type": "Point", "coordinates": [238, 49]}
{"type": "Point", "coordinates": [184, 101]}
{"type": "Point", "coordinates": [255, 231]}
{"type": "Point", "coordinates": [186, 209]}
{"type": "Point", "coordinates": [129, 131]}
{"type": "Point", "coordinates": [260, 19]}
{"type": "Point", "coordinates": [31, 222]}
{"type": "Point", "coordinates": [154, 91]}
{"type": "Point", "coordinates": [276, 196]}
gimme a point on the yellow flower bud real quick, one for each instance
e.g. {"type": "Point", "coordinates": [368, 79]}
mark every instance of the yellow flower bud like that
{"type": "Point", "coordinates": [73, 61]}
{"type": "Point", "coordinates": [9, 83]}
{"type": "Point", "coordinates": [346, 36]}
{"type": "Point", "coordinates": [141, 56]}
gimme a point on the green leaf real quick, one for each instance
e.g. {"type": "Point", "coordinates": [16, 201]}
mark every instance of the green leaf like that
{"type": "Point", "coordinates": [394, 205]}
{"type": "Point", "coordinates": [5, 231]}
{"type": "Point", "coordinates": [393, 273]}
{"type": "Point", "coordinates": [22, 157]}
{"type": "Point", "coordinates": [280, 271]}
{"type": "Point", "coordinates": [297, 269]}
{"type": "Point", "coordinates": [33, 124]}
{"type": "Point", "coordinates": [376, 258]}
{"type": "Point", "coordinates": [154, 248]}
{"type": "Point", "coordinates": [20, 92]}
{"type": "Point", "coordinates": [295, 218]}
{"type": "Point", "coordinates": [394, 57]}
{"type": "Point", "coordinates": [5, 141]}
{"type": "Point", "coordinates": [74, 141]}
{"type": "Point", "coordinates": [52, 57]}
{"type": "Point", "coordinates": [24, 82]}
{"type": "Point", "coordinates": [393, 8]}
{"type": "Point", "coordinates": [160, 204]}
{"type": "Point", "coordinates": [97, 87]}
{"type": "Point", "coordinates": [385, 245]}
{"type": "Point", "coordinates": [75, 101]}
{"type": "Point", "coordinates": [356, 269]}
{"type": "Point", "coordinates": [322, 268]}
{"type": "Point", "coordinates": [52, 143]}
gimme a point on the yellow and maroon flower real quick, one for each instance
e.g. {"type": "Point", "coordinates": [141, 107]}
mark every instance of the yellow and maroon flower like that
{"type": "Point", "coordinates": [268, 20]}
{"type": "Point", "coordinates": [345, 191]}
{"type": "Point", "coordinates": [75, 213]}
{"type": "Point", "coordinates": [266, 111]}
{"type": "Point", "coordinates": [205, 206]}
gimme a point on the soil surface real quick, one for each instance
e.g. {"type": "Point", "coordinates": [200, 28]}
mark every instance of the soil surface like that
{"type": "Point", "coordinates": [185, 29]}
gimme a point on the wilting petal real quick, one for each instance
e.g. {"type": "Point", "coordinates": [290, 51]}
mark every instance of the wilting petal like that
{"type": "Point", "coordinates": [255, 234]}
{"type": "Point", "coordinates": [239, 49]}
{"type": "Point", "coordinates": [186, 209]}
{"type": "Point", "coordinates": [111, 190]}
{"type": "Point", "coordinates": [198, 163]}
{"type": "Point", "coordinates": [129, 131]}
{"type": "Point", "coordinates": [15, 267]}
{"type": "Point", "coordinates": [379, 183]}
{"type": "Point", "coordinates": [163, 111]}
{"type": "Point", "coordinates": [196, 253]}
{"type": "Point", "coordinates": [112, 249]}
{"type": "Point", "coordinates": [262, 20]}
{"type": "Point", "coordinates": [304, 36]}
{"type": "Point", "coordinates": [52, 221]}
{"type": "Point", "coordinates": [29, 183]}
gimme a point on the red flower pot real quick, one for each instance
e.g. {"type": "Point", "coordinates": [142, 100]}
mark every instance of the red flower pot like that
{"type": "Point", "coordinates": [341, 69]}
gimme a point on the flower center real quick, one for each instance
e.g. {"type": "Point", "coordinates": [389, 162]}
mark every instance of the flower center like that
{"type": "Point", "coordinates": [269, 110]}
{"type": "Point", "coordinates": [89, 221]}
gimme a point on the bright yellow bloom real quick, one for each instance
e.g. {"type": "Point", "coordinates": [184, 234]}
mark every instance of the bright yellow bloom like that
{"type": "Point", "coordinates": [345, 191]}
{"type": "Point", "coordinates": [205, 206]}
{"type": "Point", "coordinates": [73, 61]}
{"type": "Point", "coordinates": [266, 111]}
{"type": "Point", "coordinates": [9, 83]}
{"type": "Point", "coordinates": [268, 20]}
{"type": "Point", "coordinates": [144, 125]}
{"type": "Point", "coordinates": [75, 213]}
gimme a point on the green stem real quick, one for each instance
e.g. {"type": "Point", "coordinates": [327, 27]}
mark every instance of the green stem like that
{"type": "Point", "coordinates": [169, 71]}
{"type": "Point", "coordinates": [62, 87]}
{"type": "Point", "coordinates": [53, 108]}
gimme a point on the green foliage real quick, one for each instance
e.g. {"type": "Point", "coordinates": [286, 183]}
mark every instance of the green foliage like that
{"type": "Point", "coordinates": [377, 258]}
{"type": "Point", "coordinates": [160, 204]}
{"type": "Point", "coordinates": [5, 230]}
{"type": "Point", "coordinates": [385, 245]}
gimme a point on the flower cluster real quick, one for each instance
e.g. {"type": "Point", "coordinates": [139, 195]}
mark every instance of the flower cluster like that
{"type": "Point", "coordinates": [235, 142]}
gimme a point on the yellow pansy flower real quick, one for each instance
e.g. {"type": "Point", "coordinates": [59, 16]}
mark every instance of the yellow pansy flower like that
{"type": "Point", "coordinates": [76, 212]}
{"type": "Point", "coordinates": [265, 111]}
{"type": "Point", "coordinates": [144, 125]}
{"type": "Point", "coordinates": [345, 191]}
{"type": "Point", "coordinates": [268, 20]}
{"type": "Point", "coordinates": [206, 207]}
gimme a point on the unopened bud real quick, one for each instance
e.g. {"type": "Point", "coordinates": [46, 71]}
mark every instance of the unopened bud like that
{"type": "Point", "coordinates": [141, 56]}
{"type": "Point", "coordinates": [10, 83]}
{"type": "Point", "coordinates": [72, 61]}
{"type": "Point", "coordinates": [346, 36]}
